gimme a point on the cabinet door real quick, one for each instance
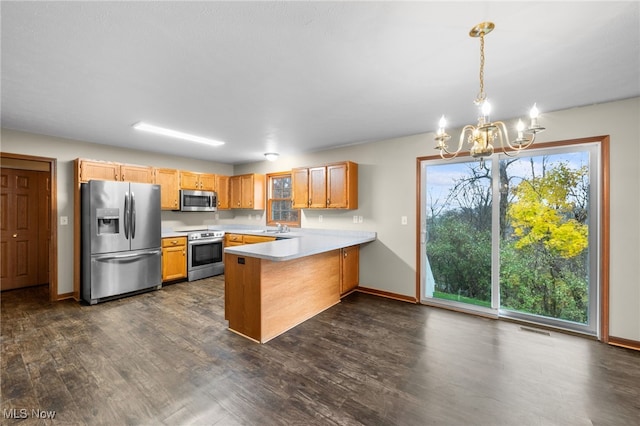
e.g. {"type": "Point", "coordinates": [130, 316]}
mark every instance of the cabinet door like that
{"type": "Point", "coordinates": [222, 188]}
{"type": "Point", "coordinates": [258, 187]}
{"type": "Point", "coordinates": [140, 174]}
{"type": "Point", "coordinates": [252, 191]}
{"type": "Point", "coordinates": [189, 180]}
{"type": "Point", "coordinates": [318, 187]}
{"type": "Point", "coordinates": [174, 258]}
{"type": "Point", "coordinates": [300, 186]}
{"type": "Point", "coordinates": [169, 181]}
{"type": "Point", "coordinates": [98, 170]}
{"type": "Point", "coordinates": [235, 187]}
{"type": "Point", "coordinates": [207, 182]}
{"type": "Point", "coordinates": [342, 186]}
{"type": "Point", "coordinates": [349, 268]}
{"type": "Point", "coordinates": [246, 191]}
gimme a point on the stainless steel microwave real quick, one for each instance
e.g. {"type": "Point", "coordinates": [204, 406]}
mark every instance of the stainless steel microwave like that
{"type": "Point", "coordinates": [198, 201]}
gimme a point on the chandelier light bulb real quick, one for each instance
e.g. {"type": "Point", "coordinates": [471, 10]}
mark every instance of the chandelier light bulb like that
{"type": "Point", "coordinates": [486, 109]}
{"type": "Point", "coordinates": [534, 112]}
{"type": "Point", "coordinates": [442, 124]}
{"type": "Point", "coordinates": [520, 129]}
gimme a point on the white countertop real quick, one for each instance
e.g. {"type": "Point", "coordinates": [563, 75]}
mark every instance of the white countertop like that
{"type": "Point", "coordinates": [300, 244]}
{"type": "Point", "coordinates": [289, 245]}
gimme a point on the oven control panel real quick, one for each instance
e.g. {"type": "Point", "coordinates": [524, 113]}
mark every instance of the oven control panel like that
{"type": "Point", "coordinates": [205, 235]}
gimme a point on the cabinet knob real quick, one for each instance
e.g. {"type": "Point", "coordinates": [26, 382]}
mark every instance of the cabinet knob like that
{"type": "Point", "coordinates": [15, 235]}
{"type": "Point", "coordinates": [174, 242]}
{"type": "Point", "coordinates": [345, 254]}
{"type": "Point", "coordinates": [123, 177]}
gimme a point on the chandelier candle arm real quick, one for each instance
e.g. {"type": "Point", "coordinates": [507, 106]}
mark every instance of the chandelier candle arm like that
{"type": "Point", "coordinates": [481, 137]}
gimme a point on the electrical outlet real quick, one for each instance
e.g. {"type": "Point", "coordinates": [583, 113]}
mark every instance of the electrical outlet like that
{"type": "Point", "coordinates": [64, 220]}
{"type": "Point", "coordinates": [403, 220]}
{"type": "Point", "coordinates": [320, 218]}
{"type": "Point", "coordinates": [355, 219]}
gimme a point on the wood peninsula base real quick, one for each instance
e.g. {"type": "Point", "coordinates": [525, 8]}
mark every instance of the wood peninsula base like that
{"type": "Point", "coordinates": [265, 298]}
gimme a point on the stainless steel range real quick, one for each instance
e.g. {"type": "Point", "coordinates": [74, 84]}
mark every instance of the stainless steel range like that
{"type": "Point", "coordinates": [205, 254]}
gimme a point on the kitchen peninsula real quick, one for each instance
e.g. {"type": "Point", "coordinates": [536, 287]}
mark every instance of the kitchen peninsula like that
{"type": "Point", "coordinates": [271, 287]}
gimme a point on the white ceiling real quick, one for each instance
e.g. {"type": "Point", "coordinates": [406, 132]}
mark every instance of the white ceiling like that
{"type": "Point", "coordinates": [295, 77]}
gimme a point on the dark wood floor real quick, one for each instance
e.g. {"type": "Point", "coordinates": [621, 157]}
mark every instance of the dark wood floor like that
{"type": "Point", "coordinates": [166, 357]}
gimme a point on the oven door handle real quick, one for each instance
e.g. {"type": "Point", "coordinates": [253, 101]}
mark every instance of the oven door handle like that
{"type": "Point", "coordinates": [202, 242]}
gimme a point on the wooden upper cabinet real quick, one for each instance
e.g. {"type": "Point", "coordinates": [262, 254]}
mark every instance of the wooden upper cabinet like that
{"type": "Point", "coordinates": [318, 187]}
{"type": "Point", "coordinates": [207, 182]}
{"type": "Point", "coordinates": [169, 181]}
{"type": "Point", "coordinates": [98, 170]}
{"type": "Point", "coordinates": [104, 170]}
{"type": "Point", "coordinates": [342, 186]}
{"type": "Point", "coordinates": [222, 188]}
{"type": "Point", "coordinates": [234, 192]}
{"type": "Point", "coordinates": [247, 191]}
{"type": "Point", "coordinates": [197, 181]}
{"type": "Point", "coordinates": [300, 187]}
{"type": "Point", "coordinates": [189, 180]}
{"type": "Point", "coordinates": [333, 186]}
{"type": "Point", "coordinates": [252, 189]}
{"type": "Point", "coordinates": [140, 174]}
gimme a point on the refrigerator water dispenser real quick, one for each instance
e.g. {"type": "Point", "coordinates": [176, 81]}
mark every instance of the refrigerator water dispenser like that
{"type": "Point", "coordinates": [108, 220]}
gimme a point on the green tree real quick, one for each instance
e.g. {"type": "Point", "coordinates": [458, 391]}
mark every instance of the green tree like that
{"type": "Point", "coordinates": [543, 261]}
{"type": "Point", "coordinates": [460, 256]}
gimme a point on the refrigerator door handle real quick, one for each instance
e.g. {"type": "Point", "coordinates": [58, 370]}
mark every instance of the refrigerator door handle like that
{"type": "Point", "coordinates": [126, 215]}
{"type": "Point", "coordinates": [129, 256]}
{"type": "Point", "coordinates": [132, 225]}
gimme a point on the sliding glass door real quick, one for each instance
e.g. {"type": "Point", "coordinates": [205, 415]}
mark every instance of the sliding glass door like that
{"type": "Point", "coordinates": [515, 238]}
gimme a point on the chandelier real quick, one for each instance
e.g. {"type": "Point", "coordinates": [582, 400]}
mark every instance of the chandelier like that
{"type": "Point", "coordinates": [482, 136]}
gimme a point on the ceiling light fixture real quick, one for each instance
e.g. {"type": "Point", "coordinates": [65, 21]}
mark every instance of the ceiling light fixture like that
{"type": "Point", "coordinates": [482, 136]}
{"type": "Point", "coordinates": [271, 156]}
{"type": "Point", "coordinates": [175, 134]}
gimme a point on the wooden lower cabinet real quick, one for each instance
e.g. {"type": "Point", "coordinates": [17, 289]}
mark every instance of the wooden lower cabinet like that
{"type": "Point", "coordinates": [264, 298]}
{"type": "Point", "coordinates": [240, 239]}
{"type": "Point", "coordinates": [253, 239]}
{"type": "Point", "coordinates": [174, 258]}
{"type": "Point", "coordinates": [233, 240]}
{"type": "Point", "coordinates": [349, 269]}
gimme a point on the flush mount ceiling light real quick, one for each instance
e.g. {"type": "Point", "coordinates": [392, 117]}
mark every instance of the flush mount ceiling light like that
{"type": "Point", "coordinates": [175, 134]}
{"type": "Point", "coordinates": [482, 136]}
{"type": "Point", "coordinates": [271, 156]}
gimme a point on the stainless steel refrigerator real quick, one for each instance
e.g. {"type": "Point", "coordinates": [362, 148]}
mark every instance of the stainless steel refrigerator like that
{"type": "Point", "coordinates": [121, 241]}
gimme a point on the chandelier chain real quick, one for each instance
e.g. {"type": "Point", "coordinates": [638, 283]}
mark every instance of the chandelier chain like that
{"type": "Point", "coordinates": [481, 95]}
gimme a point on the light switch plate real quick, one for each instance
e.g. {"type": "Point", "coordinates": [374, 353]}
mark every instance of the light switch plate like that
{"type": "Point", "coordinates": [64, 220]}
{"type": "Point", "coordinates": [403, 220]}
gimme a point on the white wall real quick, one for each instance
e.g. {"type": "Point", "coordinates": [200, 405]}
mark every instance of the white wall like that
{"type": "Point", "coordinates": [387, 191]}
